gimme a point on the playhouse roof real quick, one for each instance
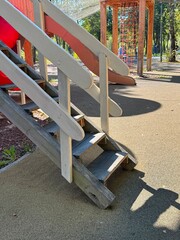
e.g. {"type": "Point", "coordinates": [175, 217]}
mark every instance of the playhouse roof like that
{"type": "Point", "coordinates": [78, 9]}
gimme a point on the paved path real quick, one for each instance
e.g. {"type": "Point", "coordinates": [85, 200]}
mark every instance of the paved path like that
{"type": "Point", "coordinates": [38, 204]}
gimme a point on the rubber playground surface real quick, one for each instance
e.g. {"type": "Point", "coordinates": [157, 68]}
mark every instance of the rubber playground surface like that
{"type": "Point", "coordinates": [38, 204]}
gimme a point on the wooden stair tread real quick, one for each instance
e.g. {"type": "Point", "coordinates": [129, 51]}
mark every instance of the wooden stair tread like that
{"type": "Point", "coordinates": [21, 65]}
{"type": "Point", "coordinates": [52, 127]}
{"type": "Point", "coordinates": [28, 107]}
{"type": "Point", "coordinates": [89, 140]}
{"type": "Point", "coordinates": [3, 49]}
{"type": "Point", "coordinates": [104, 165]}
{"type": "Point", "coordinates": [12, 85]}
{"type": "Point", "coordinates": [8, 86]}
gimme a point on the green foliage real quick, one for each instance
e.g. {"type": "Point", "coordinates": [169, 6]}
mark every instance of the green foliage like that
{"type": "Point", "coordinates": [9, 154]}
{"type": "Point", "coordinates": [92, 24]}
{"type": "Point", "coordinates": [27, 148]}
{"type": "Point", "coordinates": [3, 163]}
{"type": "Point", "coordinates": [170, 27]}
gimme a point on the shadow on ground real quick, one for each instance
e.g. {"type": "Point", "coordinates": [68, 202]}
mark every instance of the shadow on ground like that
{"type": "Point", "coordinates": [131, 106]}
{"type": "Point", "coordinates": [166, 79]}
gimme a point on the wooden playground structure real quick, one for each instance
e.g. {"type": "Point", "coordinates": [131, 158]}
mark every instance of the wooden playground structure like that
{"type": "Point", "coordinates": [70, 137]}
{"type": "Point", "coordinates": [116, 6]}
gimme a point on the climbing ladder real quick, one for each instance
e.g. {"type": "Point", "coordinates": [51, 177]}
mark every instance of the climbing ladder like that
{"type": "Point", "coordinates": [69, 137]}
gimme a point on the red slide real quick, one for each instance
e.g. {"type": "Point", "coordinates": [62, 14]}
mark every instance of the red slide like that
{"type": "Point", "coordinates": [87, 57]}
{"type": "Point", "coordinates": [9, 36]}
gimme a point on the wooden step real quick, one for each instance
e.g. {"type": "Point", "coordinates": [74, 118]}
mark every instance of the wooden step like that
{"type": "Point", "coordinates": [89, 140]}
{"type": "Point", "coordinates": [3, 49]}
{"type": "Point", "coordinates": [12, 85]}
{"type": "Point", "coordinates": [22, 65]}
{"type": "Point", "coordinates": [31, 106]}
{"type": "Point", "coordinates": [52, 127]}
{"type": "Point", "coordinates": [104, 165]}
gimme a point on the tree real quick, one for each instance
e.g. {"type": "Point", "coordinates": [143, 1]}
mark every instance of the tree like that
{"type": "Point", "coordinates": [172, 57]}
{"type": "Point", "coordinates": [92, 24]}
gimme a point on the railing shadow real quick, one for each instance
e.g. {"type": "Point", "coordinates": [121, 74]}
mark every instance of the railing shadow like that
{"type": "Point", "coordinates": [143, 205]}
{"type": "Point", "coordinates": [131, 106]}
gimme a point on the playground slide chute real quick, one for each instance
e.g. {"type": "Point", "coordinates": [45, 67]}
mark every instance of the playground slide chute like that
{"type": "Point", "coordinates": [9, 36]}
{"type": "Point", "coordinates": [85, 54]}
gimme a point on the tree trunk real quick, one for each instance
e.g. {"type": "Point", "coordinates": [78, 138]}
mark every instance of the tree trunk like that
{"type": "Point", "coordinates": [172, 57]}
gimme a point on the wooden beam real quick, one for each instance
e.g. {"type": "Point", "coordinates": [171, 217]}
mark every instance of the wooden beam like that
{"type": "Point", "coordinates": [65, 140]}
{"type": "Point", "coordinates": [103, 23]}
{"type": "Point", "coordinates": [104, 93]}
{"type": "Point", "coordinates": [150, 36]}
{"type": "Point", "coordinates": [142, 11]}
{"type": "Point", "coordinates": [115, 30]}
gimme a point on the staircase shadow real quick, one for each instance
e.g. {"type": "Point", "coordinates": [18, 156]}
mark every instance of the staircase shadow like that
{"type": "Point", "coordinates": [131, 106]}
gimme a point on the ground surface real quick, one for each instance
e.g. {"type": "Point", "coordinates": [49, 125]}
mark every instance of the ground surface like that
{"type": "Point", "coordinates": [38, 204]}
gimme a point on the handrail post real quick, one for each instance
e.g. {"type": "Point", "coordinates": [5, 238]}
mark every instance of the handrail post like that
{"type": "Point", "coordinates": [23, 95]}
{"type": "Point", "coordinates": [39, 21]}
{"type": "Point", "coordinates": [104, 93]}
{"type": "Point", "coordinates": [65, 140]}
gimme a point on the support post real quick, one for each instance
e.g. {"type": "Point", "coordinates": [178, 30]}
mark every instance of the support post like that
{"type": "Point", "coordinates": [104, 106]}
{"type": "Point", "coordinates": [142, 11]}
{"type": "Point", "coordinates": [39, 20]}
{"type": "Point", "coordinates": [103, 22]}
{"type": "Point", "coordinates": [115, 30]}
{"type": "Point", "coordinates": [150, 36]}
{"type": "Point", "coordinates": [23, 96]}
{"type": "Point", "coordinates": [65, 140]}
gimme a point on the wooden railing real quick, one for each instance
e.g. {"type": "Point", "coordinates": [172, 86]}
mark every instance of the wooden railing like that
{"type": "Point", "coordinates": [86, 38]}
{"type": "Point", "coordinates": [68, 68]}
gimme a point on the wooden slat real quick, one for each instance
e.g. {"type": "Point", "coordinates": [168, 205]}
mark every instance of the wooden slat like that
{"type": "Point", "coordinates": [104, 166]}
{"type": "Point", "coordinates": [28, 107]}
{"type": "Point", "coordinates": [104, 93]}
{"type": "Point", "coordinates": [65, 140]}
{"type": "Point", "coordinates": [87, 142]}
{"type": "Point", "coordinates": [7, 86]}
{"type": "Point", "coordinates": [11, 86]}
{"type": "Point", "coordinates": [53, 128]}
{"type": "Point", "coordinates": [22, 65]}
{"type": "Point", "coordinates": [3, 49]}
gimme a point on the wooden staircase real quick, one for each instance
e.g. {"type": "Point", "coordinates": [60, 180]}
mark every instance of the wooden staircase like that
{"type": "Point", "coordinates": [95, 157]}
